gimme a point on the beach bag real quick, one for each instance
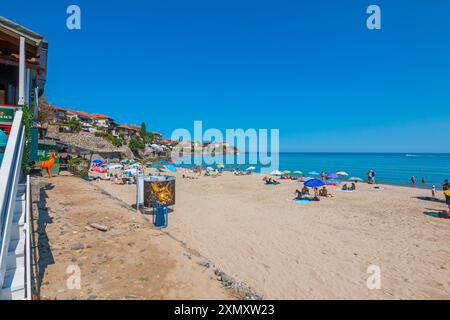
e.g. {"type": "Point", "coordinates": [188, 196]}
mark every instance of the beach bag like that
{"type": "Point", "coordinates": [447, 192]}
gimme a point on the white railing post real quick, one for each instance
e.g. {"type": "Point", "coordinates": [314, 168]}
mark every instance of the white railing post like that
{"type": "Point", "coordinates": [22, 59]}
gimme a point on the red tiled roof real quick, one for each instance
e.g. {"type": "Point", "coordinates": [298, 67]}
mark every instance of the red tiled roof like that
{"type": "Point", "coordinates": [127, 127]}
{"type": "Point", "coordinates": [57, 108]}
{"type": "Point", "coordinates": [99, 116]}
{"type": "Point", "coordinates": [83, 114]}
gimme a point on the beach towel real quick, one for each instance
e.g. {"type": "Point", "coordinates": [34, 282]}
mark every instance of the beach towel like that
{"type": "Point", "coordinates": [302, 201]}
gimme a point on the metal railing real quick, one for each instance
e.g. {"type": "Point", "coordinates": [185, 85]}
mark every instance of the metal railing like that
{"type": "Point", "coordinates": [9, 180]}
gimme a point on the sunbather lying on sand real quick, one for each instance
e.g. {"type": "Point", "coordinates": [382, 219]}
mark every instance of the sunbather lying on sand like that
{"type": "Point", "coordinates": [271, 181]}
{"type": "Point", "coordinates": [189, 177]}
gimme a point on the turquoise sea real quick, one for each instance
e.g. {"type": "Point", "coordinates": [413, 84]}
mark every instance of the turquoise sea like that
{"type": "Point", "coordinates": [393, 168]}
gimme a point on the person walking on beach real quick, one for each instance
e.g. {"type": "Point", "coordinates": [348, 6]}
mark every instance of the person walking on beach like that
{"type": "Point", "coordinates": [433, 191]}
{"type": "Point", "coordinates": [446, 189]}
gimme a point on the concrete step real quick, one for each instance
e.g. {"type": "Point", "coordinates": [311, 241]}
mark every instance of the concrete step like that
{"type": "Point", "coordinates": [7, 294]}
{"type": "Point", "coordinates": [13, 286]}
{"type": "Point", "coordinates": [13, 261]}
{"type": "Point", "coordinates": [17, 247]}
{"type": "Point", "coordinates": [19, 212]}
{"type": "Point", "coordinates": [17, 232]}
{"type": "Point", "coordinates": [14, 279]}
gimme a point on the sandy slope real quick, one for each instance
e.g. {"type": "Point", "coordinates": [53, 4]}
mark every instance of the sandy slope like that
{"type": "Point", "coordinates": [130, 261]}
{"type": "Point", "coordinates": [257, 234]}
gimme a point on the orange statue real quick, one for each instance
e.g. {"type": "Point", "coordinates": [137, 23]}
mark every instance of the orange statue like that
{"type": "Point", "coordinates": [48, 164]}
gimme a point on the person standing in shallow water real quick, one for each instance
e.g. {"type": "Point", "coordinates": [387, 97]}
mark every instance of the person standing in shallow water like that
{"type": "Point", "coordinates": [371, 176]}
{"type": "Point", "coordinates": [413, 180]}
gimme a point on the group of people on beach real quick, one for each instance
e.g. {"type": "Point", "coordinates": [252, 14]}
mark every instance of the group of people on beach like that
{"type": "Point", "coordinates": [414, 180]}
{"type": "Point", "coordinates": [271, 181]}
{"type": "Point", "coordinates": [352, 187]}
{"type": "Point", "coordinates": [304, 194]}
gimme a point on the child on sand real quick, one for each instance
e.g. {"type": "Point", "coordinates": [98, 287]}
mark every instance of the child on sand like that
{"type": "Point", "coordinates": [433, 191]}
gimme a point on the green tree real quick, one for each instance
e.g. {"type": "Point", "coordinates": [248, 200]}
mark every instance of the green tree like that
{"type": "Point", "coordinates": [149, 137]}
{"type": "Point", "coordinates": [143, 131]}
{"type": "Point", "coordinates": [136, 144]}
{"type": "Point", "coordinates": [27, 121]}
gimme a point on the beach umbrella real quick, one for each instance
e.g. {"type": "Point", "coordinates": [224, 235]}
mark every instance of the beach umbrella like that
{"type": "Point", "coordinates": [286, 171]}
{"type": "Point", "coordinates": [251, 168]}
{"type": "Point", "coordinates": [298, 172]}
{"type": "Point", "coordinates": [332, 176]}
{"type": "Point", "coordinates": [220, 166]}
{"type": "Point", "coordinates": [342, 173]}
{"type": "Point", "coordinates": [356, 179]}
{"type": "Point", "coordinates": [277, 173]}
{"type": "Point", "coordinates": [116, 167]}
{"type": "Point", "coordinates": [97, 161]}
{"type": "Point", "coordinates": [131, 172]}
{"type": "Point", "coordinates": [307, 179]}
{"type": "Point", "coordinates": [209, 169]}
{"type": "Point", "coordinates": [333, 181]}
{"type": "Point", "coordinates": [171, 167]}
{"type": "Point", "coordinates": [314, 183]}
{"type": "Point", "coordinates": [314, 173]}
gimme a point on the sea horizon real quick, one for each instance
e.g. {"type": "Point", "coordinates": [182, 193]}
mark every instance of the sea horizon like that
{"type": "Point", "coordinates": [390, 168]}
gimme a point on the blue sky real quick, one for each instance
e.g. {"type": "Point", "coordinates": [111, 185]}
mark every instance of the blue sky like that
{"type": "Point", "coordinates": [309, 68]}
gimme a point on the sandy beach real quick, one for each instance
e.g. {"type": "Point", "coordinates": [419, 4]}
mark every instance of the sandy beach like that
{"type": "Point", "coordinates": [321, 250]}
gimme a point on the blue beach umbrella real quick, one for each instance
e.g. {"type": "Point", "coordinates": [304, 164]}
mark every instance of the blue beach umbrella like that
{"type": "Point", "coordinates": [314, 173]}
{"type": "Point", "coordinates": [333, 181]}
{"type": "Point", "coordinates": [97, 161]}
{"type": "Point", "coordinates": [314, 183]}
